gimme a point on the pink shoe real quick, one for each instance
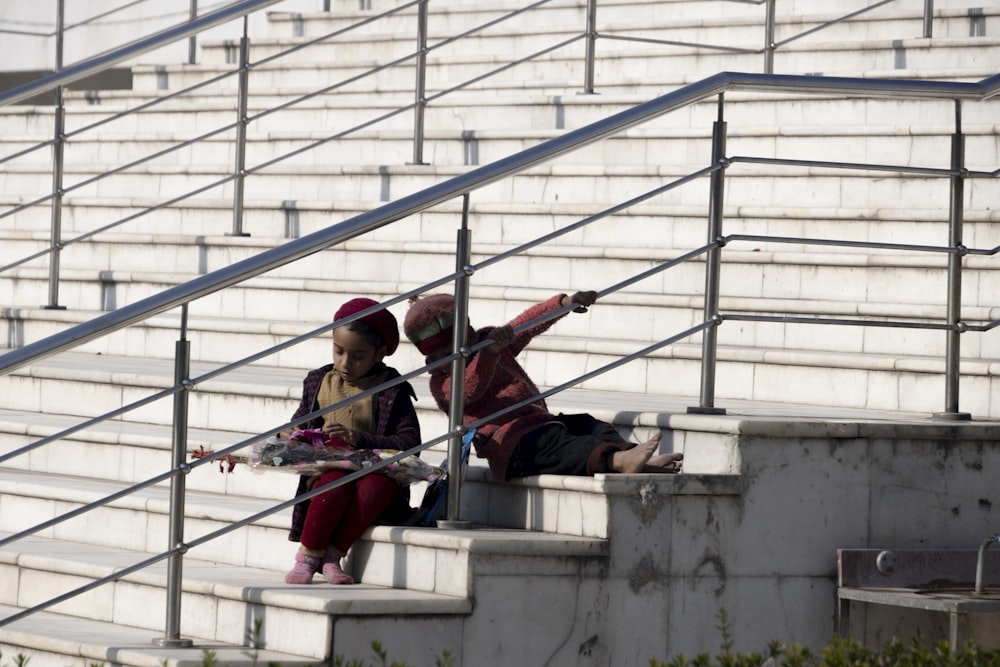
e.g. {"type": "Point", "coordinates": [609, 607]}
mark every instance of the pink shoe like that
{"type": "Point", "coordinates": [331, 568]}
{"type": "Point", "coordinates": [305, 567]}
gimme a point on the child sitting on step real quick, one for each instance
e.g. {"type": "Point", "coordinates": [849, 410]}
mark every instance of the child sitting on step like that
{"type": "Point", "coordinates": [327, 525]}
{"type": "Point", "coordinates": [529, 440]}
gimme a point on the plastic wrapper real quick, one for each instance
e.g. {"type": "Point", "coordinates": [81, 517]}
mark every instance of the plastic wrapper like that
{"type": "Point", "coordinates": [310, 453]}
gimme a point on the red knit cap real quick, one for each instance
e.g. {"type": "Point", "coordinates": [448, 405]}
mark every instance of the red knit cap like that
{"type": "Point", "coordinates": [383, 322]}
{"type": "Point", "coordinates": [430, 321]}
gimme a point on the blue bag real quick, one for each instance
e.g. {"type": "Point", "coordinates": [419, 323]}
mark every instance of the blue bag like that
{"type": "Point", "coordinates": [435, 499]}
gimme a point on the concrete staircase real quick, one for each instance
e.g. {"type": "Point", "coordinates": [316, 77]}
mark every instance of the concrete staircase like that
{"type": "Point", "coordinates": [539, 545]}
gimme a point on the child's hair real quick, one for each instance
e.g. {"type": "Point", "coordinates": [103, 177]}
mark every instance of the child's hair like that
{"type": "Point", "coordinates": [379, 328]}
{"type": "Point", "coordinates": [366, 331]}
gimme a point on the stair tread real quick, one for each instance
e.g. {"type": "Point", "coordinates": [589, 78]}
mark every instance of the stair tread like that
{"type": "Point", "coordinates": [603, 403]}
{"type": "Point", "coordinates": [114, 643]}
{"type": "Point", "coordinates": [286, 381]}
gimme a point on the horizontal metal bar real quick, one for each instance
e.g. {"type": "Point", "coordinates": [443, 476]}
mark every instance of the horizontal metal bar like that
{"type": "Point", "coordinates": [842, 243]}
{"type": "Point", "coordinates": [786, 319]}
{"type": "Point", "coordinates": [830, 164]}
{"type": "Point", "coordinates": [671, 42]}
{"type": "Point", "coordinates": [983, 327]}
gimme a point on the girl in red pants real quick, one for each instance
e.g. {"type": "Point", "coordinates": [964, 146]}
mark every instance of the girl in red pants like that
{"type": "Point", "coordinates": [327, 525]}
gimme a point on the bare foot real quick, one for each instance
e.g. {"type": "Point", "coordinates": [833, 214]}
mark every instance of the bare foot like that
{"type": "Point", "coordinates": [671, 461]}
{"type": "Point", "coordinates": [632, 460]}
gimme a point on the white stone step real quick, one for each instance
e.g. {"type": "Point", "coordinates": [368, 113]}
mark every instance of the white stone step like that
{"type": "Point", "coordinates": [476, 113]}
{"type": "Point", "coordinates": [141, 518]}
{"type": "Point", "coordinates": [871, 367]}
{"type": "Point", "coordinates": [560, 70]}
{"type": "Point", "coordinates": [749, 272]}
{"type": "Point", "coordinates": [791, 16]}
{"type": "Point", "coordinates": [47, 639]}
{"type": "Point", "coordinates": [428, 575]}
{"type": "Point", "coordinates": [220, 601]}
{"type": "Point", "coordinates": [747, 184]}
{"type": "Point", "coordinates": [891, 144]}
{"type": "Point", "coordinates": [209, 222]}
{"type": "Point", "coordinates": [395, 37]}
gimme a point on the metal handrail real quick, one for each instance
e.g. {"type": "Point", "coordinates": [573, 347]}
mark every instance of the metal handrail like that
{"type": "Point", "coordinates": [462, 185]}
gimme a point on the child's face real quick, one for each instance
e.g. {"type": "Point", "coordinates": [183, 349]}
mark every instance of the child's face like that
{"type": "Point", "coordinates": [353, 354]}
{"type": "Point", "coordinates": [437, 355]}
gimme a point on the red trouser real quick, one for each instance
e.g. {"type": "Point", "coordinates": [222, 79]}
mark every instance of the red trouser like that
{"type": "Point", "coordinates": [339, 516]}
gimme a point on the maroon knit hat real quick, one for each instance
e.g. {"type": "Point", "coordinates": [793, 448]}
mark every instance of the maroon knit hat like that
{"type": "Point", "coordinates": [383, 322]}
{"type": "Point", "coordinates": [430, 321]}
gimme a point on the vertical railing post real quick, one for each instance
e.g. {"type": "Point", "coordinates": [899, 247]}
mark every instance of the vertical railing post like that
{"type": "Point", "coordinates": [588, 66]}
{"type": "Point", "coordinates": [713, 261]}
{"type": "Point", "coordinates": [240, 170]}
{"type": "Point", "coordinates": [58, 145]}
{"type": "Point", "coordinates": [956, 213]}
{"type": "Point", "coordinates": [928, 18]}
{"type": "Point", "coordinates": [175, 537]}
{"type": "Point", "coordinates": [456, 408]}
{"type": "Point", "coordinates": [769, 38]}
{"type": "Point", "coordinates": [193, 39]}
{"type": "Point", "coordinates": [420, 85]}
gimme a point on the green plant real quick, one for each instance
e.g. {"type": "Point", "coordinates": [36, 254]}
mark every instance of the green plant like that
{"type": "Point", "coordinates": [382, 659]}
{"type": "Point", "coordinates": [208, 658]}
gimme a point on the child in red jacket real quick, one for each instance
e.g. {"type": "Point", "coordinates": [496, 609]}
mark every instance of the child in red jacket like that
{"type": "Point", "coordinates": [529, 440]}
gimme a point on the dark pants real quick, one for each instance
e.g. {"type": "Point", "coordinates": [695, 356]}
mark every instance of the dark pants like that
{"type": "Point", "coordinates": [568, 445]}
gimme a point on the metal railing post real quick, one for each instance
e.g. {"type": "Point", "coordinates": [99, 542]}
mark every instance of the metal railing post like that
{"type": "Point", "coordinates": [58, 145]}
{"type": "Point", "coordinates": [456, 408]}
{"type": "Point", "coordinates": [713, 259]}
{"type": "Point", "coordinates": [420, 85]}
{"type": "Point", "coordinates": [588, 66]}
{"type": "Point", "coordinates": [175, 538]}
{"type": "Point", "coordinates": [193, 39]}
{"type": "Point", "coordinates": [928, 18]}
{"type": "Point", "coordinates": [769, 45]}
{"type": "Point", "coordinates": [953, 346]}
{"type": "Point", "coordinates": [241, 134]}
